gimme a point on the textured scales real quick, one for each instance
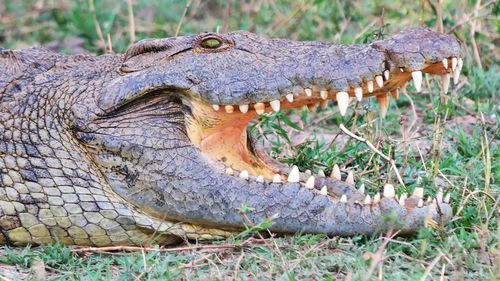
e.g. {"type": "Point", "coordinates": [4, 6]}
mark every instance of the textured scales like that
{"type": "Point", "coordinates": [124, 149]}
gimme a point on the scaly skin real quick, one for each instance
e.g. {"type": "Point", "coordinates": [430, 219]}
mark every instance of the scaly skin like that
{"type": "Point", "coordinates": [119, 149]}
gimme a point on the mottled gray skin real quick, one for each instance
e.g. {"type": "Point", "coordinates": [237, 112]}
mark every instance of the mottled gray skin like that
{"type": "Point", "coordinates": [94, 150]}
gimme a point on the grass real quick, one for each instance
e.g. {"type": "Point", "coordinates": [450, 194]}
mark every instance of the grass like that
{"type": "Point", "coordinates": [451, 144]}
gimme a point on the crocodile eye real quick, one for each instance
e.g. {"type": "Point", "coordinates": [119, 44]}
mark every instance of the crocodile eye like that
{"type": "Point", "coordinates": [211, 43]}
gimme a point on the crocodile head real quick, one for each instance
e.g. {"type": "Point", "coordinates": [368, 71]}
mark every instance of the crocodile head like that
{"type": "Point", "coordinates": [170, 135]}
{"type": "Point", "coordinates": [159, 135]}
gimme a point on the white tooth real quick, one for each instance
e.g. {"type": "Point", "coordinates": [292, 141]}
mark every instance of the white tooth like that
{"type": "Point", "coordinates": [335, 172]}
{"type": "Point", "coordinates": [389, 191]}
{"type": "Point", "coordinates": [460, 63]}
{"type": "Point", "coordinates": [243, 108]}
{"type": "Point", "coordinates": [229, 171]}
{"type": "Point", "coordinates": [216, 107]}
{"type": "Point", "coordinates": [420, 203]}
{"type": "Point", "coordinates": [276, 178]}
{"type": "Point", "coordinates": [275, 105]}
{"type": "Point", "coordinates": [244, 175]}
{"type": "Point", "coordinates": [259, 107]}
{"type": "Point", "coordinates": [309, 92]}
{"type": "Point", "coordinates": [310, 182]}
{"type": "Point", "coordinates": [445, 63]}
{"type": "Point", "coordinates": [294, 175]}
{"type": "Point", "coordinates": [428, 200]}
{"type": "Point", "coordinates": [368, 200]}
{"type": "Point", "coordinates": [323, 94]}
{"type": "Point", "coordinates": [350, 178]}
{"type": "Point", "coordinates": [454, 63]}
{"type": "Point", "coordinates": [402, 199]}
{"type": "Point", "coordinates": [386, 74]}
{"type": "Point", "coordinates": [343, 102]}
{"type": "Point", "coordinates": [417, 80]}
{"type": "Point", "coordinates": [229, 108]}
{"type": "Point", "coordinates": [383, 102]}
{"type": "Point", "coordinates": [401, 69]}
{"type": "Point", "coordinates": [445, 82]}
{"type": "Point", "coordinates": [289, 97]}
{"type": "Point", "coordinates": [361, 188]}
{"type": "Point", "coordinates": [439, 196]}
{"type": "Point", "coordinates": [447, 198]}
{"type": "Point", "coordinates": [343, 198]}
{"type": "Point", "coordinates": [358, 92]}
{"type": "Point", "coordinates": [321, 173]}
{"type": "Point", "coordinates": [418, 192]}
{"type": "Point", "coordinates": [260, 179]}
{"type": "Point", "coordinates": [369, 85]}
{"type": "Point", "coordinates": [308, 172]}
{"type": "Point", "coordinates": [324, 190]}
{"type": "Point", "coordinates": [376, 198]}
{"type": "Point", "coordinates": [379, 80]}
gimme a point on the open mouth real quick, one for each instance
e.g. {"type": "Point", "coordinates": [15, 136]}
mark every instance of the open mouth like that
{"type": "Point", "coordinates": [220, 130]}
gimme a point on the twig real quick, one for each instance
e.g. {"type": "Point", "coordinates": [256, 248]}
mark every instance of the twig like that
{"type": "Point", "coordinates": [96, 23]}
{"type": "Point", "coordinates": [378, 257]}
{"type": "Point", "coordinates": [178, 29]}
{"type": "Point", "coordinates": [374, 149]}
{"type": "Point", "coordinates": [431, 266]}
{"type": "Point", "coordinates": [149, 249]}
{"type": "Point", "coordinates": [225, 27]}
{"type": "Point", "coordinates": [131, 22]}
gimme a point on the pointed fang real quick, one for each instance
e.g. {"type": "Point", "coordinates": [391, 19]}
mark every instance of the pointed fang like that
{"type": "Point", "coordinates": [259, 107]}
{"type": "Point", "coordinates": [445, 83]}
{"type": "Point", "coordinates": [289, 97]}
{"type": "Point", "coordinates": [343, 102]}
{"type": "Point", "coordinates": [309, 92]}
{"type": "Point", "coordinates": [369, 86]}
{"type": "Point", "coordinates": [343, 198]}
{"type": "Point", "coordinates": [229, 108]}
{"type": "Point", "coordinates": [260, 178]}
{"type": "Point", "coordinates": [276, 178]}
{"type": "Point", "coordinates": [294, 175]}
{"type": "Point", "coordinates": [323, 94]}
{"type": "Point", "coordinates": [380, 81]}
{"type": "Point", "coordinates": [445, 63]}
{"type": "Point", "coordinates": [386, 74]}
{"type": "Point", "coordinates": [216, 107]}
{"type": "Point", "coordinates": [361, 188]}
{"type": "Point", "coordinates": [454, 63]}
{"type": "Point", "coordinates": [324, 190]}
{"type": "Point", "coordinates": [243, 108]}
{"type": "Point", "coordinates": [368, 200]}
{"type": "Point", "coordinates": [350, 178]}
{"type": "Point", "coordinates": [389, 191]}
{"type": "Point", "coordinates": [358, 92]}
{"type": "Point", "coordinates": [336, 172]}
{"type": "Point", "coordinates": [417, 80]}
{"type": "Point", "coordinates": [244, 175]}
{"type": "Point", "coordinates": [310, 182]}
{"type": "Point", "coordinates": [275, 105]}
{"type": "Point", "coordinates": [376, 198]}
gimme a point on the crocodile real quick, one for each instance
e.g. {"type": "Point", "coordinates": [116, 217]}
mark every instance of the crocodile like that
{"type": "Point", "coordinates": [151, 146]}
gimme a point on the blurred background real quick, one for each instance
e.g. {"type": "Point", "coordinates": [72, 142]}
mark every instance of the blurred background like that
{"type": "Point", "coordinates": [76, 26]}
